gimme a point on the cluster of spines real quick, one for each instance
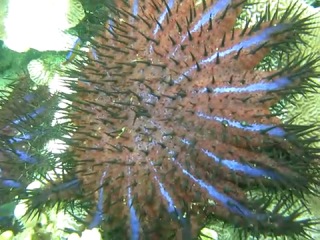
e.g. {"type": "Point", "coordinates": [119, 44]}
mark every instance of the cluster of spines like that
{"type": "Point", "coordinates": [101, 78]}
{"type": "Point", "coordinates": [26, 127]}
{"type": "Point", "coordinates": [149, 39]}
{"type": "Point", "coordinates": [300, 25]}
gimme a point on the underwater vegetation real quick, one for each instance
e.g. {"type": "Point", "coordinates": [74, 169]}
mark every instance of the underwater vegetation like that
{"type": "Point", "coordinates": [169, 120]}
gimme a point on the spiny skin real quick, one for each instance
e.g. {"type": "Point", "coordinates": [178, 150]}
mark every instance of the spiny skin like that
{"type": "Point", "coordinates": [174, 122]}
{"type": "Point", "coordinates": [171, 124]}
{"type": "Point", "coordinates": [24, 130]}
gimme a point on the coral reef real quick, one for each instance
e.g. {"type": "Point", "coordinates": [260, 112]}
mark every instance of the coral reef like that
{"type": "Point", "coordinates": [43, 70]}
{"type": "Point", "coordinates": [170, 121]}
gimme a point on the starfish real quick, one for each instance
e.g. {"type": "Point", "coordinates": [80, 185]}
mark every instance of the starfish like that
{"type": "Point", "coordinates": [23, 129]}
{"type": "Point", "coordinates": [172, 123]}
{"type": "Point", "coordinates": [182, 122]}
